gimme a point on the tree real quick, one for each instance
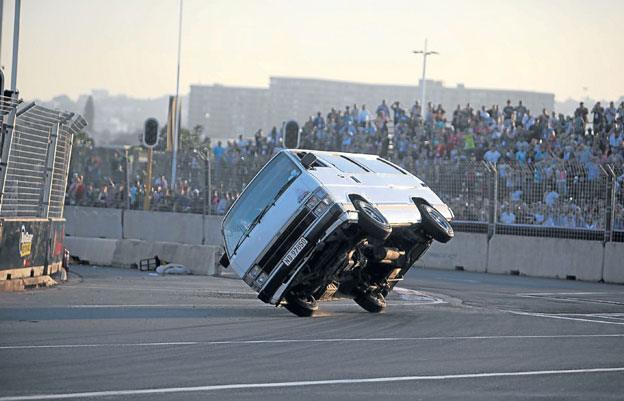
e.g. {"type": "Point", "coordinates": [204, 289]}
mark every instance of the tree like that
{"type": "Point", "coordinates": [83, 138]}
{"type": "Point", "coordinates": [89, 113]}
{"type": "Point", "coordinates": [188, 140]}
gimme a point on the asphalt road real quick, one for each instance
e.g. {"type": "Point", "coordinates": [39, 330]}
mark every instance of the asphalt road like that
{"type": "Point", "coordinates": [118, 334]}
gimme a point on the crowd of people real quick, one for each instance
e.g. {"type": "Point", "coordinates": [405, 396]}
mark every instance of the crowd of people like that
{"type": "Point", "coordinates": [549, 166]}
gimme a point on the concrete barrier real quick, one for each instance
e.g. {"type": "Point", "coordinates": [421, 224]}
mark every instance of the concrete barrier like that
{"type": "Point", "coordinates": [176, 237]}
{"type": "Point", "coordinates": [92, 222]}
{"type": "Point", "coordinates": [137, 224]}
{"type": "Point", "coordinates": [614, 262]}
{"type": "Point", "coordinates": [98, 251]}
{"type": "Point", "coordinates": [546, 257]}
{"type": "Point", "coordinates": [466, 250]}
{"type": "Point", "coordinates": [200, 259]}
{"type": "Point", "coordinates": [163, 226]}
{"type": "Point", "coordinates": [213, 230]}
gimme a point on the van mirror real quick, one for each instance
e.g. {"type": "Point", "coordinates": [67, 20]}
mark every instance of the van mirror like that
{"type": "Point", "coordinates": [308, 160]}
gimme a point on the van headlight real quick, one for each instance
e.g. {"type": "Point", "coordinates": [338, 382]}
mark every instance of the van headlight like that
{"type": "Point", "coordinates": [319, 202]}
{"type": "Point", "coordinates": [312, 202]}
{"type": "Point", "coordinates": [261, 278]}
{"type": "Point", "coordinates": [322, 207]}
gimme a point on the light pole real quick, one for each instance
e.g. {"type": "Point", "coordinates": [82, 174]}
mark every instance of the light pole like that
{"type": "Point", "coordinates": [16, 29]}
{"type": "Point", "coordinates": [176, 116]}
{"type": "Point", "coordinates": [425, 53]}
{"type": "Point", "coordinates": [205, 156]}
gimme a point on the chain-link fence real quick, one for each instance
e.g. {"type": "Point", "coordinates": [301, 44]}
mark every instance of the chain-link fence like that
{"type": "Point", "coordinates": [36, 147]}
{"type": "Point", "coordinates": [98, 178]}
{"type": "Point", "coordinates": [556, 198]}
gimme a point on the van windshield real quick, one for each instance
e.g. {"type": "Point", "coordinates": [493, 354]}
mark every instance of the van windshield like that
{"type": "Point", "coordinates": [257, 198]}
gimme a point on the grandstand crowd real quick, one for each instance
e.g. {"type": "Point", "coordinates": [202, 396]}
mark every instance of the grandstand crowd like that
{"type": "Point", "coordinates": [551, 168]}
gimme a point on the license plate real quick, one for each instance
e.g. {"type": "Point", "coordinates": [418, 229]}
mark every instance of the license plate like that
{"type": "Point", "coordinates": [295, 250]}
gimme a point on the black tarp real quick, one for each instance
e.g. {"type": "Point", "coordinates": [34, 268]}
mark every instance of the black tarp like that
{"type": "Point", "coordinates": [30, 242]}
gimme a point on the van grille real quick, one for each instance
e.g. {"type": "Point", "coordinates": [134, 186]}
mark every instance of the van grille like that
{"type": "Point", "coordinates": [294, 230]}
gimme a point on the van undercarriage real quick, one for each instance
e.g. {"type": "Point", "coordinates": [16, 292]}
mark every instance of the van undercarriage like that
{"type": "Point", "coordinates": [348, 263]}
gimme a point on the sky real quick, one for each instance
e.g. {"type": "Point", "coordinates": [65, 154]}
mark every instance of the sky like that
{"type": "Point", "coordinates": [572, 48]}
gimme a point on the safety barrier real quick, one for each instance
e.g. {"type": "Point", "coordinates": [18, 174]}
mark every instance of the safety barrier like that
{"type": "Point", "coordinates": [93, 222]}
{"type": "Point", "coordinates": [614, 263]}
{"type": "Point", "coordinates": [467, 251]}
{"type": "Point", "coordinates": [199, 259]}
{"type": "Point", "coordinates": [545, 257]}
{"type": "Point", "coordinates": [590, 260]}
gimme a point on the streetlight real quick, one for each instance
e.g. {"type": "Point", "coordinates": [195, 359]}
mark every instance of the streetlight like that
{"type": "Point", "coordinates": [175, 118]}
{"type": "Point", "coordinates": [204, 154]}
{"type": "Point", "coordinates": [425, 53]}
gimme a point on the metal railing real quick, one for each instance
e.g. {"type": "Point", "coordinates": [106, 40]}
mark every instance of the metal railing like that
{"type": "Point", "coordinates": [36, 149]}
{"type": "Point", "coordinates": [556, 198]}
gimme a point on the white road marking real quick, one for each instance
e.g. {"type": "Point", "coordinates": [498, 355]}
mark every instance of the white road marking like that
{"type": "Point", "coordinates": [606, 315]}
{"type": "Point", "coordinates": [407, 294]}
{"type": "Point", "coordinates": [557, 316]}
{"type": "Point", "coordinates": [558, 296]}
{"type": "Point", "coordinates": [538, 294]}
{"type": "Point", "coordinates": [130, 306]}
{"type": "Point", "coordinates": [312, 340]}
{"type": "Point", "coordinates": [239, 386]}
{"type": "Point", "coordinates": [164, 289]}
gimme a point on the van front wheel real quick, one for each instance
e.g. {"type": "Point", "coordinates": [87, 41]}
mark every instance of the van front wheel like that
{"type": "Point", "coordinates": [435, 224]}
{"type": "Point", "coordinates": [301, 307]}
{"type": "Point", "coordinates": [371, 220]}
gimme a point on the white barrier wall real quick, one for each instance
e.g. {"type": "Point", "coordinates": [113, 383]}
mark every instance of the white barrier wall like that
{"type": "Point", "coordinates": [149, 226]}
{"type": "Point", "coordinates": [546, 257]}
{"type": "Point", "coordinates": [92, 222]}
{"type": "Point", "coordinates": [98, 251]}
{"type": "Point", "coordinates": [200, 259]}
{"type": "Point", "coordinates": [213, 230]}
{"type": "Point", "coordinates": [531, 256]}
{"type": "Point", "coordinates": [466, 250]}
{"type": "Point", "coordinates": [614, 262]}
{"type": "Point", "coordinates": [163, 226]}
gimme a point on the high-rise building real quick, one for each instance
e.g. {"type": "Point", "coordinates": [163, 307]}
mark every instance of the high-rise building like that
{"type": "Point", "coordinates": [226, 112]}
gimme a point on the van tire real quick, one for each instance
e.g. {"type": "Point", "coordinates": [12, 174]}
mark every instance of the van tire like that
{"type": "Point", "coordinates": [301, 307]}
{"type": "Point", "coordinates": [371, 220]}
{"type": "Point", "coordinates": [435, 224]}
{"type": "Point", "coordinates": [371, 302]}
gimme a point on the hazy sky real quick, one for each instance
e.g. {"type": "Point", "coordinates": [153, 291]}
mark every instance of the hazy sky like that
{"type": "Point", "coordinates": [129, 46]}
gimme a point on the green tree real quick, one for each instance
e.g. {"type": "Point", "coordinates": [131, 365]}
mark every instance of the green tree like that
{"type": "Point", "coordinates": [188, 140]}
{"type": "Point", "coordinates": [83, 138]}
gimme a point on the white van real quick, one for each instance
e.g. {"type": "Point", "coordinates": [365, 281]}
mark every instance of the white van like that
{"type": "Point", "coordinates": [316, 225]}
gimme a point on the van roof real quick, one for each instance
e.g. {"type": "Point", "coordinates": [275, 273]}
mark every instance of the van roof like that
{"type": "Point", "coordinates": [353, 163]}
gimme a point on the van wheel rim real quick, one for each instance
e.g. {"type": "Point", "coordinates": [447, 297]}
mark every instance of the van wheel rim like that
{"type": "Point", "coordinates": [438, 218]}
{"type": "Point", "coordinates": [373, 213]}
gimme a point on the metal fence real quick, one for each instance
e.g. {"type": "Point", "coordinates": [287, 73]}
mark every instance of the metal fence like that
{"type": "Point", "coordinates": [98, 178]}
{"type": "Point", "coordinates": [555, 198]}
{"type": "Point", "coordinates": [36, 149]}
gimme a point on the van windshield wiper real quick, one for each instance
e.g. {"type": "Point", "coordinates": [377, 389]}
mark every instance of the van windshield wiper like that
{"type": "Point", "coordinates": [260, 215]}
{"type": "Point", "coordinates": [254, 222]}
